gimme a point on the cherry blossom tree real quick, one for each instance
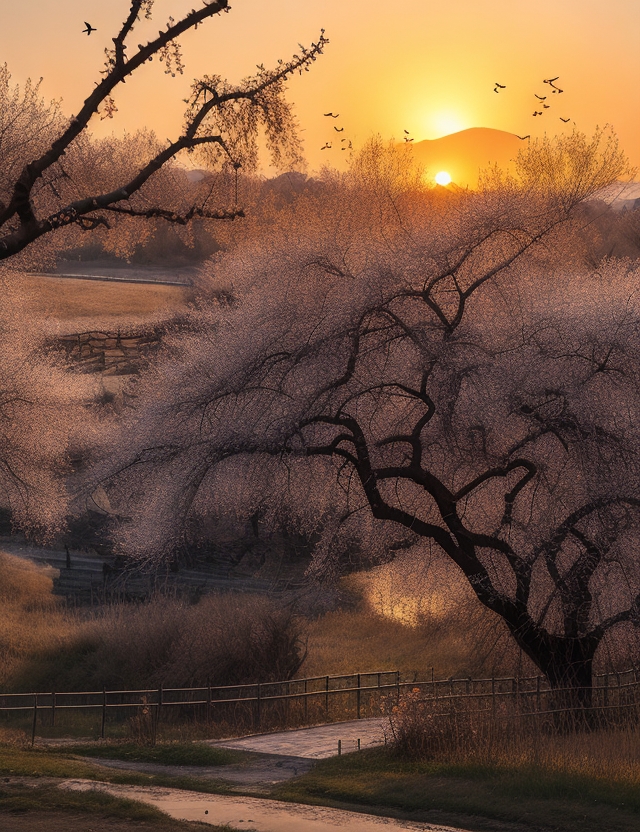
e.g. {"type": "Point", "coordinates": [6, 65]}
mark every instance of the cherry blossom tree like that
{"type": "Point", "coordinates": [398, 366]}
{"type": "Point", "coordinates": [46, 192]}
{"type": "Point", "coordinates": [42, 406]}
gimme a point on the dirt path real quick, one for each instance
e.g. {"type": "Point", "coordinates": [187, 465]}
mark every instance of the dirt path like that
{"type": "Point", "coordinates": [273, 758]}
{"type": "Point", "coordinates": [257, 774]}
{"type": "Point", "coordinates": [254, 813]}
{"type": "Point", "coordinates": [317, 742]}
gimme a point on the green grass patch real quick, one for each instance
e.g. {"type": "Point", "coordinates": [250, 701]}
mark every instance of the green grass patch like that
{"type": "Point", "coordinates": [52, 799]}
{"type": "Point", "coordinates": [169, 754]}
{"type": "Point", "coordinates": [471, 795]}
{"type": "Point", "coordinates": [20, 800]}
{"type": "Point", "coordinates": [16, 762]}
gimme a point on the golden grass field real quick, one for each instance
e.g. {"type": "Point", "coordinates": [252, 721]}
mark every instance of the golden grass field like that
{"type": "Point", "coordinates": [69, 298]}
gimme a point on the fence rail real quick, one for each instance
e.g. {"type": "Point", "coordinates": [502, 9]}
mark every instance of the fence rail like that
{"type": "Point", "coordinates": [312, 700]}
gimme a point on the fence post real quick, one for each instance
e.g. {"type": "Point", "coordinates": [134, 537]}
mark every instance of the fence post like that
{"type": "Point", "coordinates": [306, 702]}
{"type": "Point", "coordinates": [104, 712]}
{"type": "Point", "coordinates": [326, 696]}
{"type": "Point", "coordinates": [157, 719]}
{"type": "Point", "coordinates": [53, 708]}
{"type": "Point", "coordinates": [358, 699]}
{"type": "Point", "coordinates": [493, 696]}
{"type": "Point", "coordinates": [398, 685]}
{"type": "Point", "coordinates": [35, 718]}
{"type": "Point", "coordinates": [208, 701]}
{"type": "Point", "coordinates": [259, 706]}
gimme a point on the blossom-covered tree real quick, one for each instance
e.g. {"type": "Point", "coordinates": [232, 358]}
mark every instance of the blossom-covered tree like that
{"type": "Point", "coordinates": [41, 406]}
{"type": "Point", "coordinates": [46, 189]}
{"type": "Point", "coordinates": [403, 367]}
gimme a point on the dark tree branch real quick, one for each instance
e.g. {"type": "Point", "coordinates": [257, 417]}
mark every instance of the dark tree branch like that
{"type": "Point", "coordinates": [118, 69]}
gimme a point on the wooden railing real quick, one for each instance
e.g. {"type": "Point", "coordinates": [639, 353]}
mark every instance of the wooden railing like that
{"type": "Point", "coordinates": [312, 700]}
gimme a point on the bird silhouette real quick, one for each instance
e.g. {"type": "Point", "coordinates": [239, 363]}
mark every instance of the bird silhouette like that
{"type": "Point", "coordinates": [327, 146]}
{"type": "Point", "coordinates": [522, 138]}
{"type": "Point", "coordinates": [331, 115]}
{"type": "Point", "coordinates": [348, 147]}
{"type": "Point", "coordinates": [407, 139]}
{"type": "Point", "coordinates": [546, 106]}
{"type": "Point", "coordinates": [407, 132]}
{"type": "Point", "coordinates": [89, 28]}
{"type": "Point", "coordinates": [339, 129]}
{"type": "Point", "coordinates": [540, 97]}
{"type": "Point", "coordinates": [536, 113]}
{"type": "Point", "coordinates": [499, 87]}
{"type": "Point", "coordinates": [556, 89]}
{"type": "Point", "coordinates": [565, 119]}
{"type": "Point", "coordinates": [550, 80]}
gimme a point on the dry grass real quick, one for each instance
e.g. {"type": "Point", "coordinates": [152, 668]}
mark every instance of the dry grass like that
{"type": "Point", "coordinates": [460, 641]}
{"type": "Point", "coordinates": [31, 618]}
{"type": "Point", "coordinates": [66, 299]}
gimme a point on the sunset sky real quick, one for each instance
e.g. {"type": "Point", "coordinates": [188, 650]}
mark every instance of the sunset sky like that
{"type": "Point", "coordinates": [426, 67]}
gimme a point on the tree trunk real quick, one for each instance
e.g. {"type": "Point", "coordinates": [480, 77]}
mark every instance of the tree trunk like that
{"type": "Point", "coordinates": [568, 665]}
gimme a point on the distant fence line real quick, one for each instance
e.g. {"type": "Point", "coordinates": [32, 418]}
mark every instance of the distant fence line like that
{"type": "Point", "coordinates": [313, 700]}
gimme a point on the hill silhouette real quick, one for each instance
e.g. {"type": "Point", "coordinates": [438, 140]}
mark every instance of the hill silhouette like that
{"type": "Point", "coordinates": [465, 153]}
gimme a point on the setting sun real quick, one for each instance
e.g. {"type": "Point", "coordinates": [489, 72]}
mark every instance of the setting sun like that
{"type": "Point", "coordinates": [443, 178]}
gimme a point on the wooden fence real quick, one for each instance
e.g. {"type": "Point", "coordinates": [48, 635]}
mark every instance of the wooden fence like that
{"type": "Point", "coordinates": [296, 702]}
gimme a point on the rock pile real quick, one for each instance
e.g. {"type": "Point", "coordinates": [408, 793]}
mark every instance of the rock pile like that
{"type": "Point", "coordinates": [112, 354]}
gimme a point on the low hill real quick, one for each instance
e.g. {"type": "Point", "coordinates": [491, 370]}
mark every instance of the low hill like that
{"type": "Point", "coordinates": [465, 153]}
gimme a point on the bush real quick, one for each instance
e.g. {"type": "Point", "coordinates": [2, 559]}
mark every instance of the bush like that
{"type": "Point", "coordinates": [223, 640]}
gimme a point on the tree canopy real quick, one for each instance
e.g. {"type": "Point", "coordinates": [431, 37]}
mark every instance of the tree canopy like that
{"type": "Point", "coordinates": [402, 366]}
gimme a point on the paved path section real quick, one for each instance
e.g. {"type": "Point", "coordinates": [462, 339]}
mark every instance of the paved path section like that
{"type": "Point", "coordinates": [315, 743]}
{"type": "Point", "coordinates": [254, 813]}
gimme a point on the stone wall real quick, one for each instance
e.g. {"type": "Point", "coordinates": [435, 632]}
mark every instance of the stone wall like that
{"type": "Point", "coordinates": [109, 353]}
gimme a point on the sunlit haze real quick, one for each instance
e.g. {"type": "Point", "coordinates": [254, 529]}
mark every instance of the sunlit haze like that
{"type": "Point", "coordinates": [421, 71]}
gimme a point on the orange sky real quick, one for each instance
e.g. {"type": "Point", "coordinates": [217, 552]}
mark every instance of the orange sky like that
{"type": "Point", "coordinates": [424, 66]}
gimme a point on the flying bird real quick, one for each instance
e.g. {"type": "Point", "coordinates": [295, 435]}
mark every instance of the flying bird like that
{"type": "Point", "coordinates": [407, 132]}
{"type": "Point", "coordinates": [339, 129]}
{"type": "Point", "coordinates": [407, 139]}
{"type": "Point", "coordinates": [565, 119]}
{"type": "Point", "coordinates": [522, 138]}
{"type": "Point", "coordinates": [536, 113]}
{"type": "Point", "coordinates": [550, 80]}
{"type": "Point", "coordinates": [499, 87]}
{"type": "Point", "coordinates": [540, 97]}
{"type": "Point", "coordinates": [331, 115]}
{"type": "Point", "coordinates": [89, 28]}
{"type": "Point", "coordinates": [556, 89]}
{"type": "Point", "coordinates": [348, 147]}
{"type": "Point", "coordinates": [546, 106]}
{"type": "Point", "coordinates": [327, 146]}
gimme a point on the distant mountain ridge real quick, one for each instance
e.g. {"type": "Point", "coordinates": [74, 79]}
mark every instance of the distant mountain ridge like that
{"type": "Point", "coordinates": [464, 154]}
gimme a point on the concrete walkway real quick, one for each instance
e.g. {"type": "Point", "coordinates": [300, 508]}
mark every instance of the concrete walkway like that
{"type": "Point", "coordinates": [316, 743]}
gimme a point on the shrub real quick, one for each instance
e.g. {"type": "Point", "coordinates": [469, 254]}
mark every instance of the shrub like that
{"type": "Point", "coordinates": [223, 640]}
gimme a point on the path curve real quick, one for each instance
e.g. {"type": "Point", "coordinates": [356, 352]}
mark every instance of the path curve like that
{"type": "Point", "coordinates": [253, 813]}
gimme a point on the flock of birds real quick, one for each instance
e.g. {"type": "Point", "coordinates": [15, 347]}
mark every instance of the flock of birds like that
{"type": "Point", "coordinates": [346, 143]}
{"type": "Point", "coordinates": [540, 100]}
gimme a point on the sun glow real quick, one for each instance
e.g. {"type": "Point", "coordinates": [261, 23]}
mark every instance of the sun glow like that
{"type": "Point", "coordinates": [443, 178]}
